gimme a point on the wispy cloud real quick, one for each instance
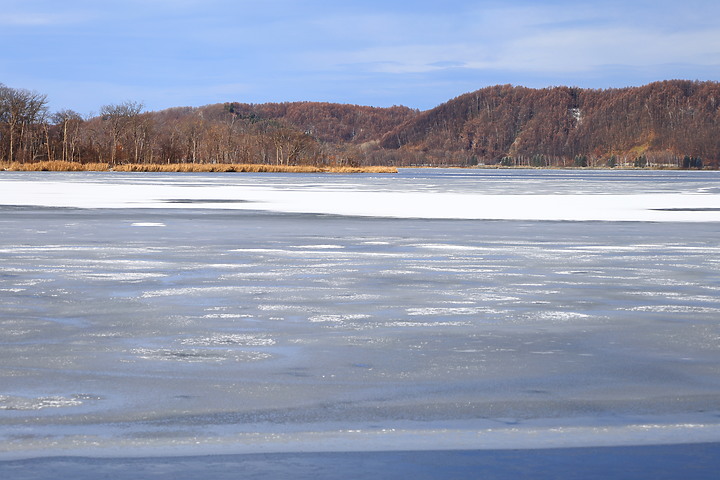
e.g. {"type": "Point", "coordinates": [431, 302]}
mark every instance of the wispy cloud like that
{"type": "Point", "coordinates": [576, 50]}
{"type": "Point", "coordinates": [531, 39]}
{"type": "Point", "coordinates": [29, 19]}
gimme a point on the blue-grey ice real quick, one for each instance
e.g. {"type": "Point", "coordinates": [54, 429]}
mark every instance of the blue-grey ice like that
{"type": "Point", "coordinates": [433, 309]}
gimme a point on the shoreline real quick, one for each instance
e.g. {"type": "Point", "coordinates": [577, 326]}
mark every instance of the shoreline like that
{"type": "Point", "coordinates": [139, 440]}
{"type": "Point", "coordinates": [60, 166]}
{"type": "Point", "coordinates": [697, 461]}
{"type": "Point", "coordinates": [64, 166]}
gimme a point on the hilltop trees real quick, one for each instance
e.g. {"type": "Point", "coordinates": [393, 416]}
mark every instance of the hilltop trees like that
{"type": "Point", "coordinates": [663, 122]}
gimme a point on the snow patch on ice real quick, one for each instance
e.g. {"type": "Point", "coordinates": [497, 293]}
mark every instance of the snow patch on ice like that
{"type": "Point", "coordinates": [244, 340]}
{"type": "Point", "coordinates": [656, 207]}
{"type": "Point", "coordinates": [673, 309]}
{"type": "Point", "coordinates": [9, 402]}
{"type": "Point", "coordinates": [123, 276]}
{"type": "Point", "coordinates": [562, 316]}
{"type": "Point", "coordinates": [408, 324]}
{"type": "Point", "coordinates": [448, 310]}
{"type": "Point", "coordinates": [198, 355]}
{"type": "Point", "coordinates": [337, 318]}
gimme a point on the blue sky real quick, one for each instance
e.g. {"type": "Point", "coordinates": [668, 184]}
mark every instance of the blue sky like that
{"type": "Point", "coordinates": [87, 53]}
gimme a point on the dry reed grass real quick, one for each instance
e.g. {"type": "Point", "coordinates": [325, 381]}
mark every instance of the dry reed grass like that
{"type": "Point", "coordinates": [368, 169]}
{"type": "Point", "coordinates": [60, 166]}
{"type": "Point", "coordinates": [214, 167]}
{"type": "Point", "coordinates": [54, 166]}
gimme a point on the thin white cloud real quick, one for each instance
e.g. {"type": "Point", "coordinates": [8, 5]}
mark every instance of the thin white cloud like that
{"type": "Point", "coordinates": [33, 19]}
{"type": "Point", "coordinates": [396, 59]}
{"type": "Point", "coordinates": [534, 39]}
{"type": "Point", "coordinates": [582, 50]}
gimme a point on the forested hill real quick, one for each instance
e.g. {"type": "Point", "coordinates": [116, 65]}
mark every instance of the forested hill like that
{"type": "Point", "coordinates": [328, 122]}
{"type": "Point", "coordinates": [670, 123]}
{"type": "Point", "coordinates": [660, 123]}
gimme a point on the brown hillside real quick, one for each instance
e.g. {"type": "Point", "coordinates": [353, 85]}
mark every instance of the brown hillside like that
{"type": "Point", "coordinates": [662, 121]}
{"type": "Point", "coordinates": [328, 122]}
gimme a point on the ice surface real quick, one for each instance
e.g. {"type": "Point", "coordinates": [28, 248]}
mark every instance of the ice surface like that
{"type": "Point", "coordinates": [645, 196]}
{"type": "Point", "coordinates": [154, 327]}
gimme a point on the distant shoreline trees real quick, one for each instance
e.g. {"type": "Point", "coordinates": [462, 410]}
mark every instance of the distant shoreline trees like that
{"type": "Point", "coordinates": [672, 124]}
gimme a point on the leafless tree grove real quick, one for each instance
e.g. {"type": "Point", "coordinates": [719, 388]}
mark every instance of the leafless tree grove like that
{"type": "Point", "coordinates": [671, 123]}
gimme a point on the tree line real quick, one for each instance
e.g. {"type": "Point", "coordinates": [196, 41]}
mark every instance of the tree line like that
{"type": "Point", "coordinates": [299, 133]}
{"type": "Point", "coordinates": [671, 124]}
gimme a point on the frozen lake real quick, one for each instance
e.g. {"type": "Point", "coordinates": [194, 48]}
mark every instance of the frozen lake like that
{"type": "Point", "coordinates": [176, 314]}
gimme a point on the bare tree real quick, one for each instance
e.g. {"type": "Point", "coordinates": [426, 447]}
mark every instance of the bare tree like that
{"type": "Point", "coordinates": [119, 119]}
{"type": "Point", "coordinates": [20, 110]}
{"type": "Point", "coordinates": [69, 123]}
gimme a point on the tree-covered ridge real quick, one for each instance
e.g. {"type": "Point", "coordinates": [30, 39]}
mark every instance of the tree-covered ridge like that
{"type": "Point", "coordinates": [661, 123]}
{"type": "Point", "coordinates": [671, 123]}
